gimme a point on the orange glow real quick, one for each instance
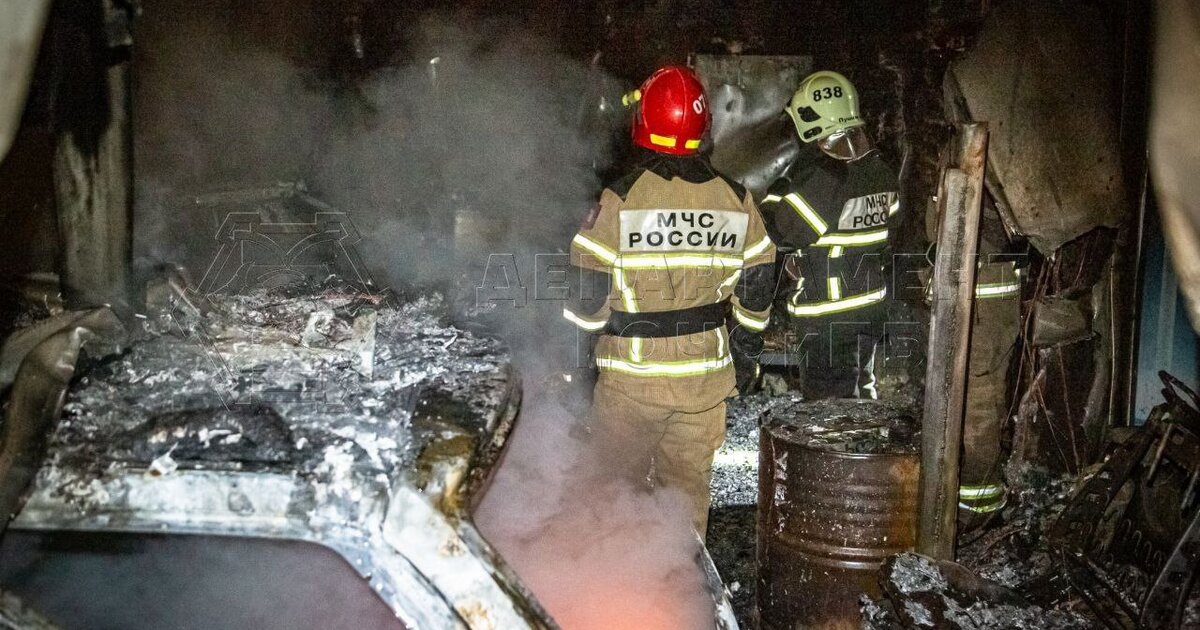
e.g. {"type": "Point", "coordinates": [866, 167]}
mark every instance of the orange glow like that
{"type": "Point", "coordinates": [613, 607]}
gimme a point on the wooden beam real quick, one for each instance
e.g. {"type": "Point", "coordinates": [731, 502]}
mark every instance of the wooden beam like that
{"type": "Point", "coordinates": [953, 283]}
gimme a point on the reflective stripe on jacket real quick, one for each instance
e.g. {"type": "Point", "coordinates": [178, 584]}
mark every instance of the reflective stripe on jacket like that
{"type": "Point", "coordinates": [836, 214]}
{"type": "Point", "coordinates": [674, 235]}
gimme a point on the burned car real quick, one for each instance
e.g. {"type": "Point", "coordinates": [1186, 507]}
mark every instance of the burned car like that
{"type": "Point", "coordinates": [300, 456]}
{"type": "Point", "coordinates": [274, 446]}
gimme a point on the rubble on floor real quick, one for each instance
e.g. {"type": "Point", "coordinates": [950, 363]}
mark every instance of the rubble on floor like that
{"type": "Point", "coordinates": [984, 590]}
{"type": "Point", "coordinates": [1002, 579]}
{"type": "Point", "coordinates": [735, 466]}
{"type": "Point", "coordinates": [735, 500]}
{"type": "Point", "coordinates": [927, 593]}
{"type": "Point", "coordinates": [1016, 574]}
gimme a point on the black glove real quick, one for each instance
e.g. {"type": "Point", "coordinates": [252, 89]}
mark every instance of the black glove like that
{"type": "Point", "coordinates": [575, 395]}
{"type": "Point", "coordinates": [745, 347]}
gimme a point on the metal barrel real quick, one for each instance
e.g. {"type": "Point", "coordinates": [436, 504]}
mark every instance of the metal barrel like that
{"type": "Point", "coordinates": [826, 522]}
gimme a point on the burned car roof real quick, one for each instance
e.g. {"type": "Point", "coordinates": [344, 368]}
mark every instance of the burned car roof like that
{"type": "Point", "coordinates": [363, 422]}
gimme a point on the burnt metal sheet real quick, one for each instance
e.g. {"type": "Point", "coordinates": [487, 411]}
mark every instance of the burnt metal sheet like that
{"type": "Point", "coordinates": [1047, 91]}
{"type": "Point", "coordinates": [176, 438]}
{"type": "Point", "coordinates": [19, 345]}
{"type": "Point", "coordinates": [753, 141]}
{"type": "Point", "coordinates": [36, 397]}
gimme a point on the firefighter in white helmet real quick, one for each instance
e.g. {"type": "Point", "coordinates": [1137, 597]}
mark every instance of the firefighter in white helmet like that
{"type": "Point", "coordinates": [831, 211]}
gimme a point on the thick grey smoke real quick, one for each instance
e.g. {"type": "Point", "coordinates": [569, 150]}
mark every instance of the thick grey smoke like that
{"type": "Point", "coordinates": [483, 130]}
{"type": "Point", "coordinates": [599, 553]}
{"type": "Point", "coordinates": [483, 142]}
{"type": "Point", "coordinates": [479, 133]}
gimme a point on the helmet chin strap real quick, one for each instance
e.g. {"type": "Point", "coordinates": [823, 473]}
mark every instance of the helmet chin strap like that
{"type": "Point", "coordinates": [847, 145]}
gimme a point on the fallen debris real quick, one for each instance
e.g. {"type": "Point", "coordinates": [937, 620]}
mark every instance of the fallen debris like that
{"type": "Point", "coordinates": [849, 426]}
{"type": "Point", "coordinates": [929, 593]}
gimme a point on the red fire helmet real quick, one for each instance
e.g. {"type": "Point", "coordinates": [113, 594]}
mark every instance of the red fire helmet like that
{"type": "Point", "coordinates": [672, 113]}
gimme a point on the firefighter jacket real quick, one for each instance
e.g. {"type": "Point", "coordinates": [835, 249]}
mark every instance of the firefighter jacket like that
{"type": "Point", "coordinates": [836, 215]}
{"type": "Point", "coordinates": [672, 261]}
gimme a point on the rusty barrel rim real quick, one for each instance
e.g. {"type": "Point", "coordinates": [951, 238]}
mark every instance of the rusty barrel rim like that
{"type": "Point", "coordinates": [776, 429]}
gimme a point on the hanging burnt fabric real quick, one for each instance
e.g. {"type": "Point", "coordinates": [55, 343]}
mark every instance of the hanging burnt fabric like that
{"type": "Point", "coordinates": [1046, 89]}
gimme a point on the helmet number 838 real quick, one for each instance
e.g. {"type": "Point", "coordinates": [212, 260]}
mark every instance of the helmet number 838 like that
{"type": "Point", "coordinates": [822, 93]}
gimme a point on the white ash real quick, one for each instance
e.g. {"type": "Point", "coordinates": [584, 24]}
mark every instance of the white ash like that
{"type": "Point", "coordinates": [919, 613]}
{"type": "Point", "coordinates": [164, 464]}
{"type": "Point", "coordinates": [174, 401]}
{"type": "Point", "coordinates": [917, 574]}
{"type": "Point", "coordinates": [922, 585]}
{"type": "Point", "coordinates": [849, 426]}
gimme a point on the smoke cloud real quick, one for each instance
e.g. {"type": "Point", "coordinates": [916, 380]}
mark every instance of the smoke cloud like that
{"type": "Point", "coordinates": [599, 553]}
{"type": "Point", "coordinates": [481, 140]}
{"type": "Point", "coordinates": [484, 134]}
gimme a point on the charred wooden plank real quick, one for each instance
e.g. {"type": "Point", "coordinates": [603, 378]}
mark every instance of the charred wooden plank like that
{"type": "Point", "coordinates": [949, 344]}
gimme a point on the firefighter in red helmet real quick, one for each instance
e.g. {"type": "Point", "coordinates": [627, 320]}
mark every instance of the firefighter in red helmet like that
{"type": "Point", "coordinates": [685, 270]}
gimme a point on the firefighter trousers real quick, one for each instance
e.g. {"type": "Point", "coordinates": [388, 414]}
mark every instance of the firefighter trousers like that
{"type": "Point", "coordinates": [840, 354]}
{"type": "Point", "coordinates": [660, 432]}
{"type": "Point", "coordinates": [993, 337]}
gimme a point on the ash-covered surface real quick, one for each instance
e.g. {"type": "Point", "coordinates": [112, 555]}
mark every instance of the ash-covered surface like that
{"type": "Point", "coordinates": [734, 486]}
{"type": "Point", "coordinates": [1015, 559]}
{"type": "Point", "coordinates": [849, 426]}
{"type": "Point", "coordinates": [1013, 553]}
{"type": "Point", "coordinates": [1016, 553]}
{"type": "Point", "coordinates": [925, 593]}
{"type": "Point", "coordinates": [315, 380]}
{"type": "Point", "coordinates": [994, 568]}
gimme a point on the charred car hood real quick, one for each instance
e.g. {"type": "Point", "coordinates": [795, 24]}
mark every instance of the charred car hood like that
{"type": "Point", "coordinates": [364, 423]}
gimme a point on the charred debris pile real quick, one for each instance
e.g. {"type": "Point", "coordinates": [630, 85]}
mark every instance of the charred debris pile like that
{"type": "Point", "coordinates": [1110, 547]}
{"type": "Point", "coordinates": [320, 411]}
{"type": "Point", "coordinates": [304, 377]}
{"type": "Point", "coordinates": [1113, 547]}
